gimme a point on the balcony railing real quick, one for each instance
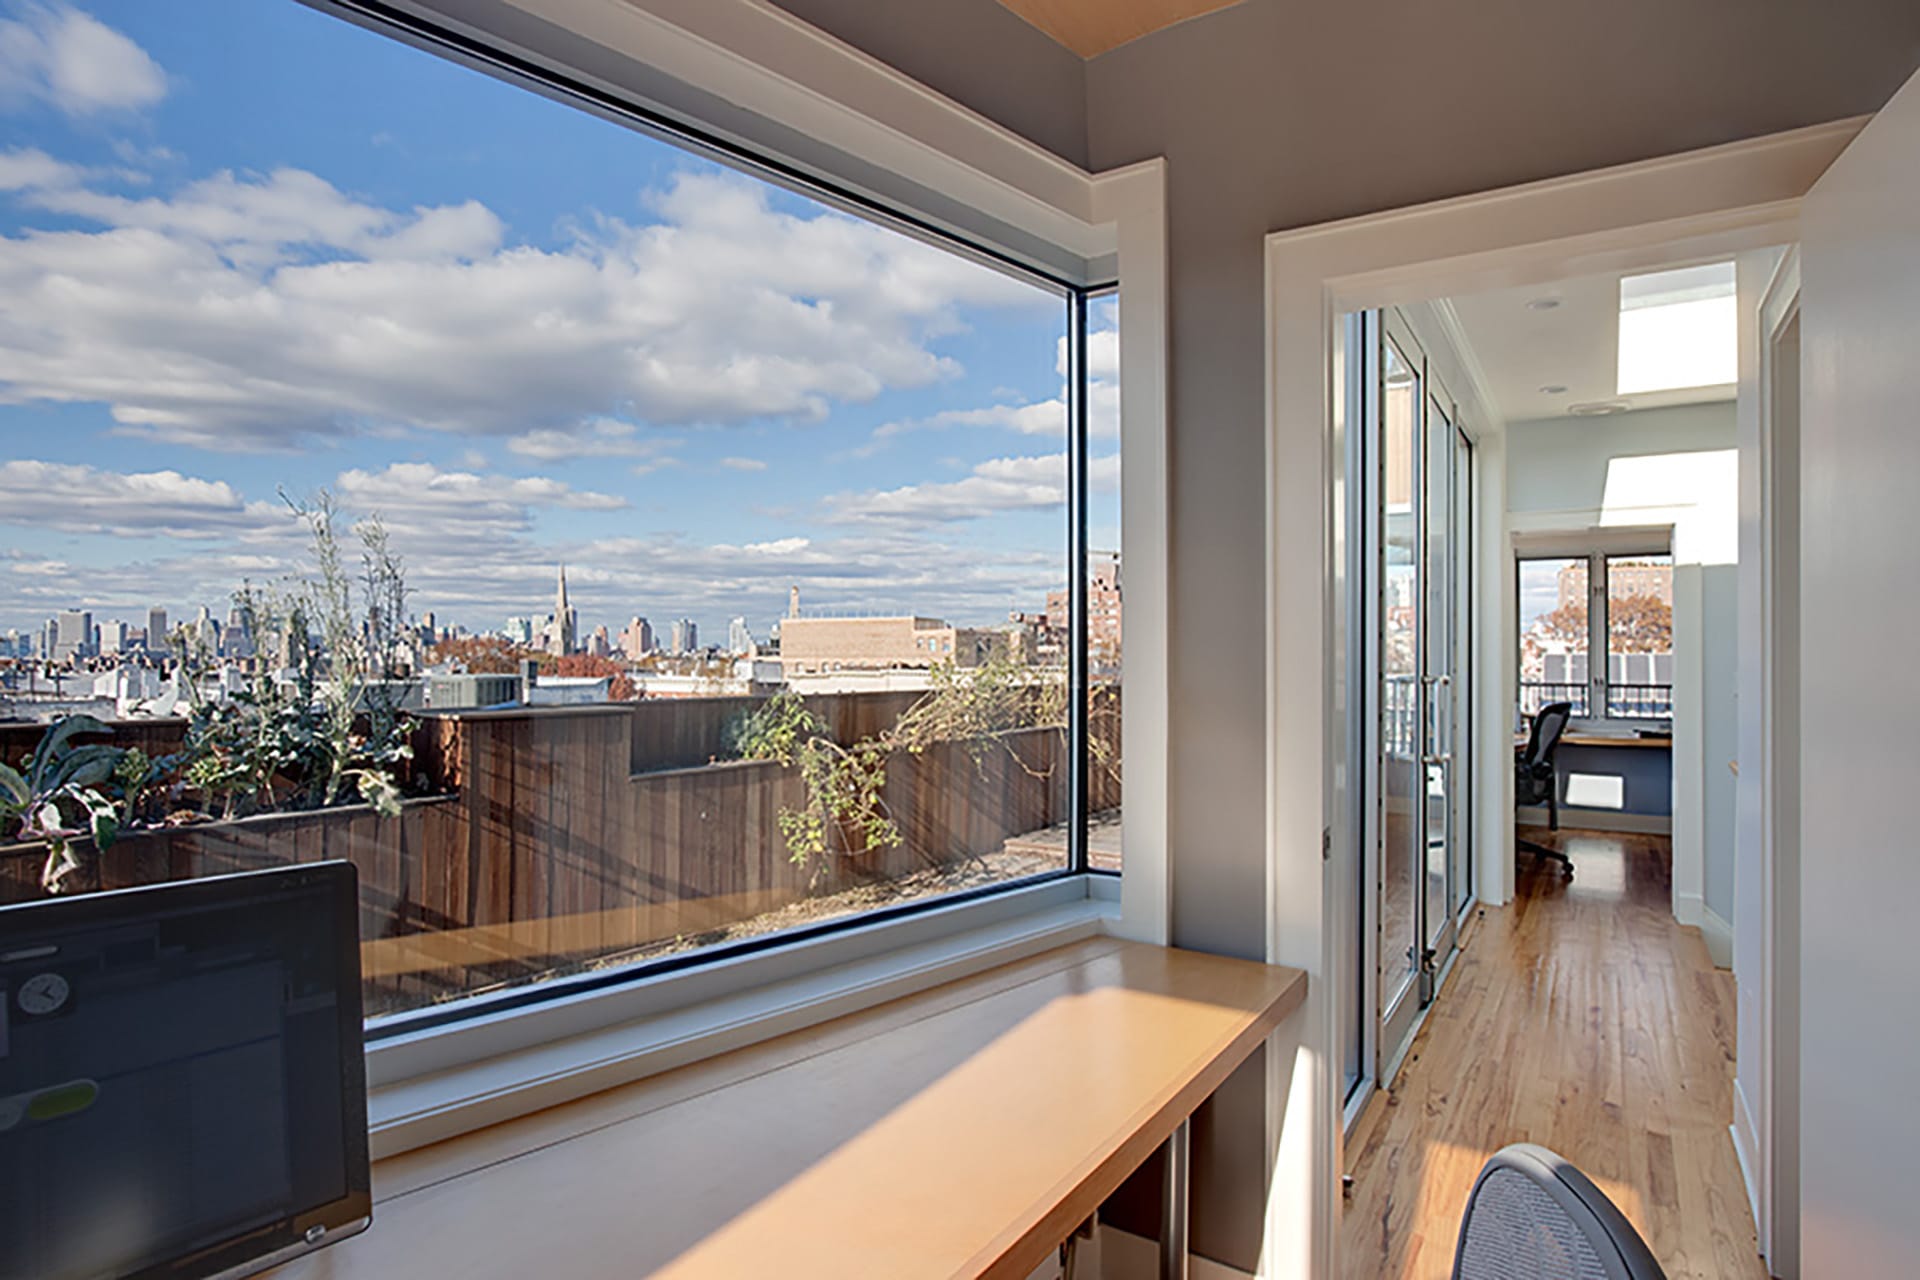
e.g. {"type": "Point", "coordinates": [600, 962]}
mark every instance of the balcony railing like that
{"type": "Point", "coordinates": [1640, 701]}
{"type": "Point", "coordinates": [1535, 694]}
{"type": "Point", "coordinates": [1624, 701]}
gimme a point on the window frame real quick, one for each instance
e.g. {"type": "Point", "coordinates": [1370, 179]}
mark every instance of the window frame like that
{"type": "Point", "coordinates": [1599, 684]}
{"type": "Point", "coordinates": [860, 137]}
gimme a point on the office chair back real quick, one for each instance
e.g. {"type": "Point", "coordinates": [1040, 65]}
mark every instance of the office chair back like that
{"type": "Point", "coordinates": [1533, 1216]}
{"type": "Point", "coordinates": [1549, 722]}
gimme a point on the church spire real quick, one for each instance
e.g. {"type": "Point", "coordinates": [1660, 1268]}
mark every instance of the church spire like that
{"type": "Point", "coordinates": [563, 638]}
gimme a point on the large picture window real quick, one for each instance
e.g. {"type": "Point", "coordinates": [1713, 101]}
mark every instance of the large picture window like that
{"type": "Point", "coordinates": [616, 555]}
{"type": "Point", "coordinates": [1573, 608]}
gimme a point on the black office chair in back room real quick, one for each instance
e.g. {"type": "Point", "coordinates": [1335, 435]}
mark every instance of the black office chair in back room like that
{"type": "Point", "coordinates": [1533, 1216]}
{"type": "Point", "coordinates": [1534, 778]}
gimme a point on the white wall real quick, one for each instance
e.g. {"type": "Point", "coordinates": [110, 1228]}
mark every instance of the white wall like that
{"type": "Point", "coordinates": [1664, 467]}
{"type": "Point", "coordinates": [1860, 705]}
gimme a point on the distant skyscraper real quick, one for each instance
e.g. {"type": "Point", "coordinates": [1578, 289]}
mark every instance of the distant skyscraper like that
{"type": "Point", "coordinates": [636, 640]}
{"type": "Point", "coordinates": [157, 638]}
{"type": "Point", "coordinates": [686, 636]}
{"type": "Point", "coordinates": [113, 636]}
{"type": "Point", "coordinates": [519, 630]}
{"type": "Point", "coordinates": [49, 638]}
{"type": "Point", "coordinates": [739, 638]}
{"type": "Point", "coordinates": [563, 637]}
{"type": "Point", "coordinates": [600, 646]}
{"type": "Point", "coordinates": [793, 601]}
{"type": "Point", "coordinates": [73, 635]}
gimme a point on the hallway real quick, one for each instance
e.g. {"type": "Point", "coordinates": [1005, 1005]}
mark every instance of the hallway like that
{"type": "Point", "coordinates": [1583, 1018]}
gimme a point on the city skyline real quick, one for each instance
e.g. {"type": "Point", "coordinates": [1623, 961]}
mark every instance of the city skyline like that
{"type": "Point", "coordinates": [212, 295]}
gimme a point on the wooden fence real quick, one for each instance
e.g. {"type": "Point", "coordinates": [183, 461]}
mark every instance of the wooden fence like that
{"type": "Point", "coordinates": [561, 842]}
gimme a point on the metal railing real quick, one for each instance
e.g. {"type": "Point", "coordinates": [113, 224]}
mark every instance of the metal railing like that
{"type": "Point", "coordinates": [1624, 701]}
{"type": "Point", "coordinates": [1640, 701]}
{"type": "Point", "coordinates": [1535, 694]}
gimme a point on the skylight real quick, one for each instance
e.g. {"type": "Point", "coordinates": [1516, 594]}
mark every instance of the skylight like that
{"type": "Point", "coordinates": [1678, 329]}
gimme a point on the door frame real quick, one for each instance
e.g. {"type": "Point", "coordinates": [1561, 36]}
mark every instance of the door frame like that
{"type": "Point", "coordinates": [1766, 1127]}
{"type": "Point", "coordinates": [1717, 202]}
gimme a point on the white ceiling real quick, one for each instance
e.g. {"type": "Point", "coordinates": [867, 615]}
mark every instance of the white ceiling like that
{"type": "Point", "coordinates": [1574, 345]}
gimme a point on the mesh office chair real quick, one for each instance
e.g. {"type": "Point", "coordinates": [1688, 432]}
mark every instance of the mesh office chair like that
{"type": "Point", "coordinates": [1533, 1216]}
{"type": "Point", "coordinates": [1534, 778]}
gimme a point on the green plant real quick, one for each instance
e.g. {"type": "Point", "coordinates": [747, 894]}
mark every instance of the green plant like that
{"type": "Point", "coordinates": [845, 810]}
{"type": "Point", "coordinates": [326, 716]}
{"type": "Point", "coordinates": [56, 797]}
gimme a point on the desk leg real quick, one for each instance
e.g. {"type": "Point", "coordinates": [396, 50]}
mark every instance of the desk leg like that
{"type": "Point", "coordinates": [1175, 1192]}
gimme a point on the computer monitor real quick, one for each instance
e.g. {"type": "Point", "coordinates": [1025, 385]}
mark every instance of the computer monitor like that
{"type": "Point", "coordinates": [182, 1087]}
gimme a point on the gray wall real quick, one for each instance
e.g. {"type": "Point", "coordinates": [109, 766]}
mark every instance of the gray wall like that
{"type": "Point", "coordinates": [977, 52]}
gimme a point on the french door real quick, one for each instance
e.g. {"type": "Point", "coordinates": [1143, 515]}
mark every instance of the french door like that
{"type": "Point", "coordinates": [1416, 481]}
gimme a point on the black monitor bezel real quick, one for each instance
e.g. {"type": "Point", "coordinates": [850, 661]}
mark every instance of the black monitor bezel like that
{"type": "Point", "coordinates": [313, 1226]}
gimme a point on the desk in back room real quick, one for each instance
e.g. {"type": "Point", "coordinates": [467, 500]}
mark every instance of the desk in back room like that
{"type": "Point", "coordinates": [1610, 782]}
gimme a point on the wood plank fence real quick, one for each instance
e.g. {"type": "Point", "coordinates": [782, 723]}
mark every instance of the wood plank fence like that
{"type": "Point", "coordinates": [563, 840]}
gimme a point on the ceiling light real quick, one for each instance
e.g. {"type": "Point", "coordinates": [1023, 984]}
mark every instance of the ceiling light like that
{"type": "Point", "coordinates": [1678, 329]}
{"type": "Point", "coordinates": [1598, 408]}
{"type": "Point", "coordinates": [1553, 389]}
{"type": "Point", "coordinates": [1542, 304]}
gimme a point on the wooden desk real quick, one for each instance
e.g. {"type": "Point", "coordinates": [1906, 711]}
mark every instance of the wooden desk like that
{"type": "Point", "coordinates": [1601, 740]}
{"type": "Point", "coordinates": [964, 1131]}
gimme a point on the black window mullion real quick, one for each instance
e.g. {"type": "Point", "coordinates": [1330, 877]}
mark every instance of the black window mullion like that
{"type": "Point", "coordinates": [1078, 746]}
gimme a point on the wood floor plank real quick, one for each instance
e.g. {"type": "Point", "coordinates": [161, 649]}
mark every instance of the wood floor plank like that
{"type": "Point", "coordinates": [1583, 1018]}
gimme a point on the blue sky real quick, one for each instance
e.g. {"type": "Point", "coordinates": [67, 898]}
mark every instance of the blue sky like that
{"type": "Point", "coordinates": [247, 247]}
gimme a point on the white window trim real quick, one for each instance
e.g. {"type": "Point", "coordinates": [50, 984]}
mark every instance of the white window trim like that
{"type": "Point", "coordinates": [795, 95]}
{"type": "Point", "coordinates": [485, 1069]}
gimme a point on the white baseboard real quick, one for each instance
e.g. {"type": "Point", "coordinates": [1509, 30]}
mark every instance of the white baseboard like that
{"type": "Point", "coordinates": [1691, 909]}
{"type": "Point", "coordinates": [1746, 1148]}
{"type": "Point", "coordinates": [1125, 1256]}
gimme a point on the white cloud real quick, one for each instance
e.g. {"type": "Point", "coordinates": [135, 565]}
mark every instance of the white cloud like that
{"type": "Point", "coordinates": [600, 438]}
{"type": "Point", "coordinates": [260, 312]}
{"type": "Point", "coordinates": [743, 464]}
{"type": "Point", "coordinates": [1038, 417]}
{"type": "Point", "coordinates": [57, 54]}
{"type": "Point", "coordinates": [26, 168]}
{"type": "Point", "coordinates": [460, 510]}
{"type": "Point", "coordinates": [996, 485]}
{"type": "Point", "coordinates": [472, 556]}
{"type": "Point", "coordinates": [82, 499]}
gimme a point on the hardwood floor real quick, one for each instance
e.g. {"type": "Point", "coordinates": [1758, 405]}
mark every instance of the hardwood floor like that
{"type": "Point", "coordinates": [1580, 1017]}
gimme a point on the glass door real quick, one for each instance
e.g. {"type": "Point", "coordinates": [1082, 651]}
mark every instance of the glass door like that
{"type": "Point", "coordinates": [1417, 467]}
{"type": "Point", "coordinates": [1439, 714]}
{"type": "Point", "coordinates": [1400, 735]}
{"type": "Point", "coordinates": [1463, 754]}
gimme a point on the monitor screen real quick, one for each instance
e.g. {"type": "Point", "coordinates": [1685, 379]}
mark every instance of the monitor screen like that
{"type": "Point", "coordinates": [182, 1088]}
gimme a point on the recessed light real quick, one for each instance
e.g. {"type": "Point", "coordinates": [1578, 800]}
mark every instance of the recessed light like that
{"type": "Point", "coordinates": [1553, 389]}
{"type": "Point", "coordinates": [1542, 304]}
{"type": "Point", "coordinates": [1598, 408]}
